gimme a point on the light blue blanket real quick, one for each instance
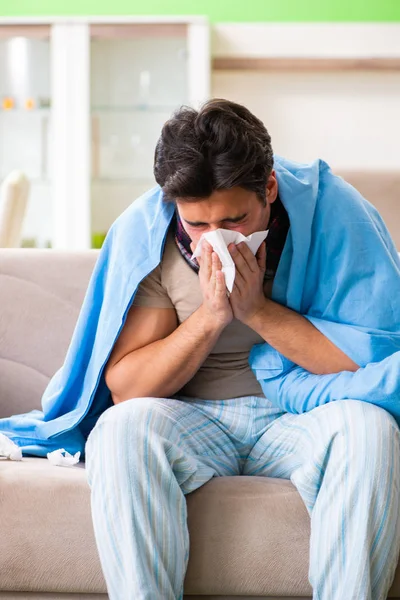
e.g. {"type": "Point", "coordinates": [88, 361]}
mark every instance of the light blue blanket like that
{"type": "Point", "coordinates": [339, 268]}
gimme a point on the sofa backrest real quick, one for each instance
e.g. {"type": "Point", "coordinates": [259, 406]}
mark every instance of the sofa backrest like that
{"type": "Point", "coordinates": [41, 292]}
{"type": "Point", "coordinates": [382, 189]}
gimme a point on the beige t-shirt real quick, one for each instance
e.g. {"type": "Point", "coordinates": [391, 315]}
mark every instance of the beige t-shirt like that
{"type": "Point", "coordinates": [225, 373]}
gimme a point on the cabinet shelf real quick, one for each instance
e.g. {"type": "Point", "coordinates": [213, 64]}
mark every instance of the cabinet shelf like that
{"type": "Point", "coordinates": [127, 180]}
{"type": "Point", "coordinates": [137, 108]}
{"type": "Point", "coordinates": [97, 101]}
{"type": "Point", "coordinates": [24, 111]}
{"type": "Point", "coordinates": [32, 180]}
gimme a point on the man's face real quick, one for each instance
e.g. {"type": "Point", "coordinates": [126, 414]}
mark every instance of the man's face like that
{"type": "Point", "coordinates": [236, 209]}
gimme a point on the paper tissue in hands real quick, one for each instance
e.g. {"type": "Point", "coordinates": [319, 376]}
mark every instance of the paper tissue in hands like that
{"type": "Point", "coordinates": [220, 239]}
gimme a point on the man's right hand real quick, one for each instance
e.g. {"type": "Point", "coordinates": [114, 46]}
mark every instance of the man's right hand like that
{"type": "Point", "coordinates": [216, 304]}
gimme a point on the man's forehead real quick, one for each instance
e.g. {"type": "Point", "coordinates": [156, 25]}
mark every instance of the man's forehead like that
{"type": "Point", "coordinates": [211, 217]}
{"type": "Point", "coordinates": [203, 221]}
{"type": "Point", "coordinates": [218, 207]}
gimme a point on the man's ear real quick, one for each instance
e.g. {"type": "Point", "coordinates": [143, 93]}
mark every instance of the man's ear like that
{"type": "Point", "coordinates": [272, 187]}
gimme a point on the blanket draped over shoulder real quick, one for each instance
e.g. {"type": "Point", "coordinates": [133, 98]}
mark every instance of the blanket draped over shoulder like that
{"type": "Point", "coordinates": [339, 269]}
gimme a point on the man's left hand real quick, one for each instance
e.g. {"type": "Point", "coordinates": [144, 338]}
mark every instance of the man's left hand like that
{"type": "Point", "coordinates": [247, 297]}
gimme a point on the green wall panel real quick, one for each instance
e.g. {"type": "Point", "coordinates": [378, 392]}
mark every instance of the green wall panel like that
{"type": "Point", "coordinates": [216, 10]}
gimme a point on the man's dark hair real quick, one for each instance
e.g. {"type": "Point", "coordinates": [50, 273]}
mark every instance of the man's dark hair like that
{"type": "Point", "coordinates": [216, 148]}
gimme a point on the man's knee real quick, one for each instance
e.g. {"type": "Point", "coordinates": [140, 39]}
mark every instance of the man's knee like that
{"type": "Point", "coordinates": [363, 421]}
{"type": "Point", "coordinates": [128, 419]}
{"type": "Point", "coordinates": [122, 430]}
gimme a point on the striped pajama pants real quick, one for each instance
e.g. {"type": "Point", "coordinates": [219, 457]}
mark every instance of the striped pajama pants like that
{"type": "Point", "coordinates": [144, 455]}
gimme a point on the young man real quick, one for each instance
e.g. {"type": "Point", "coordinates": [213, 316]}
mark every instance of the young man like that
{"type": "Point", "coordinates": [188, 405]}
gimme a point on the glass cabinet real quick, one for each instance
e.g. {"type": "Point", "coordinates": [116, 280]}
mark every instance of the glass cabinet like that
{"type": "Point", "coordinates": [138, 77]}
{"type": "Point", "coordinates": [83, 104]}
{"type": "Point", "coordinates": [25, 121]}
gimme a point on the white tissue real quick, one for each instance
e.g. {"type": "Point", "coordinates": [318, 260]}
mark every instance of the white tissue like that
{"type": "Point", "coordinates": [220, 239]}
{"type": "Point", "coordinates": [62, 458]}
{"type": "Point", "coordinates": [9, 449]}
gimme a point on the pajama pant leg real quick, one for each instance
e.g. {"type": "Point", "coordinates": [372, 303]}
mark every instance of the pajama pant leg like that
{"type": "Point", "coordinates": [343, 458]}
{"type": "Point", "coordinates": [142, 457]}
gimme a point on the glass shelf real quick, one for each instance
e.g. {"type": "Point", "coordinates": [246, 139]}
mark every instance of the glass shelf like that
{"type": "Point", "coordinates": [128, 180]}
{"type": "Point", "coordinates": [25, 143]}
{"type": "Point", "coordinates": [39, 180]}
{"type": "Point", "coordinates": [134, 109]}
{"type": "Point", "coordinates": [123, 144]}
{"type": "Point", "coordinates": [12, 111]}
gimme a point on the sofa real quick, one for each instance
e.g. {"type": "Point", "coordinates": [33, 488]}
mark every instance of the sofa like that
{"type": "Point", "coordinates": [249, 536]}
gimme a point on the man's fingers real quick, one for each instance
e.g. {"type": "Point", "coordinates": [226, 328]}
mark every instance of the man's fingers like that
{"type": "Point", "coordinates": [206, 265]}
{"type": "Point", "coordinates": [220, 285]}
{"type": "Point", "coordinates": [261, 257]}
{"type": "Point", "coordinates": [214, 269]}
{"type": "Point", "coordinates": [248, 256]}
{"type": "Point", "coordinates": [217, 261]}
{"type": "Point", "coordinates": [241, 261]}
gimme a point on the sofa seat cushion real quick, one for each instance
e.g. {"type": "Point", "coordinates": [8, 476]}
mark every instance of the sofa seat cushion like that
{"type": "Point", "coordinates": [248, 535]}
{"type": "Point", "coordinates": [46, 535]}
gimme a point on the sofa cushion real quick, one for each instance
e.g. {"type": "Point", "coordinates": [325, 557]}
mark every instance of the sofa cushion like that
{"type": "Point", "coordinates": [62, 596]}
{"type": "Point", "coordinates": [41, 292]}
{"type": "Point", "coordinates": [238, 525]}
{"type": "Point", "coordinates": [46, 537]}
{"type": "Point", "coordinates": [248, 535]}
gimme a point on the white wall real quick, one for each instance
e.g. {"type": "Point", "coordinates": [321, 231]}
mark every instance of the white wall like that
{"type": "Point", "coordinates": [351, 119]}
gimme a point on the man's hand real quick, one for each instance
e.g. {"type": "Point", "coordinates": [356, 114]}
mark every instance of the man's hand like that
{"type": "Point", "coordinates": [247, 297]}
{"type": "Point", "coordinates": [288, 332]}
{"type": "Point", "coordinates": [212, 282]}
